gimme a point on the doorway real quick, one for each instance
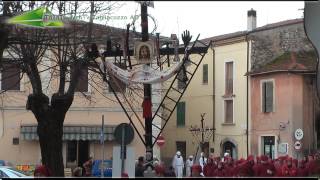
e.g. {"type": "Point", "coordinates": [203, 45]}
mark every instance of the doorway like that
{"type": "Point", "coordinates": [268, 146]}
{"type": "Point", "coordinates": [229, 147]}
{"type": "Point", "coordinates": [77, 153]}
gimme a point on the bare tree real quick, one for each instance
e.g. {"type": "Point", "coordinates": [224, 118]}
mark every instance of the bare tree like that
{"type": "Point", "coordinates": [71, 53]}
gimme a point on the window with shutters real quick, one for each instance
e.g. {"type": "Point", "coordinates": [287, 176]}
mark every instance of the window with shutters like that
{"type": "Point", "coordinates": [10, 76]}
{"type": "Point", "coordinates": [229, 78]}
{"type": "Point", "coordinates": [181, 110]}
{"type": "Point", "coordinates": [83, 80]}
{"type": "Point", "coordinates": [205, 74]}
{"type": "Point", "coordinates": [228, 111]}
{"type": "Point", "coordinates": [267, 96]}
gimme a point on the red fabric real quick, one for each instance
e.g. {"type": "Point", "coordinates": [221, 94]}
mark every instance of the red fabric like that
{"type": "Point", "coordinates": [147, 108]}
{"type": "Point", "coordinates": [196, 167]}
{"type": "Point", "coordinates": [264, 158]}
{"type": "Point", "coordinates": [43, 170]}
{"type": "Point", "coordinates": [208, 169]}
{"type": "Point", "coordinates": [125, 175]}
{"type": "Point", "coordinates": [159, 169]}
{"type": "Point", "coordinates": [302, 172]}
{"type": "Point", "coordinates": [219, 173]}
{"type": "Point", "coordinates": [266, 170]}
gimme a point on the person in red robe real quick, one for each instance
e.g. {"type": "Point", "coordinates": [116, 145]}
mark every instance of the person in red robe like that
{"type": "Point", "coordinates": [220, 171]}
{"type": "Point", "coordinates": [229, 167]}
{"type": "Point", "coordinates": [313, 167]}
{"type": "Point", "coordinates": [256, 166]}
{"type": "Point", "coordinates": [209, 168]}
{"type": "Point", "coordinates": [266, 169]}
{"type": "Point", "coordinates": [302, 171]}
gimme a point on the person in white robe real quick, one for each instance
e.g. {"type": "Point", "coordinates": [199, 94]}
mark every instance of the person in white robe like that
{"type": "Point", "coordinates": [189, 164]}
{"type": "Point", "coordinates": [178, 164]}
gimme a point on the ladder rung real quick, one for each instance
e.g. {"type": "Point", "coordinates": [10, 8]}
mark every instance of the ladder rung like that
{"type": "Point", "coordinates": [192, 62]}
{"type": "Point", "coordinates": [166, 108]}
{"type": "Point", "coordinates": [162, 117]}
{"type": "Point", "coordinates": [176, 90]}
{"type": "Point", "coordinates": [189, 73]}
{"type": "Point", "coordinates": [171, 99]}
{"type": "Point", "coordinates": [156, 126]}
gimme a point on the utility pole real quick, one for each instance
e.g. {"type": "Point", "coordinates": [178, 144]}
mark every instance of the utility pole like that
{"type": "Point", "coordinates": [147, 87]}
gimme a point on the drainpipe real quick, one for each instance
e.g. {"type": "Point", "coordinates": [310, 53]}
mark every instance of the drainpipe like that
{"type": "Point", "coordinates": [247, 130]}
{"type": "Point", "coordinates": [214, 96]}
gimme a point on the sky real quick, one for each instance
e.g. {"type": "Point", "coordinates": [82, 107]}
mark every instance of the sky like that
{"type": "Point", "coordinates": [209, 18]}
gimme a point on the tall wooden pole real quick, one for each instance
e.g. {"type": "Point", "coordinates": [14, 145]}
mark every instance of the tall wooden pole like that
{"type": "Point", "coordinates": [147, 87]}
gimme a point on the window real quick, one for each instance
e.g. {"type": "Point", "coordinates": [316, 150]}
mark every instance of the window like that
{"type": "Point", "coordinates": [228, 109]}
{"type": "Point", "coordinates": [10, 77]}
{"type": "Point", "coordinates": [181, 146]}
{"type": "Point", "coordinates": [83, 80]}
{"type": "Point", "coordinates": [229, 78]}
{"type": "Point", "coordinates": [205, 74]}
{"type": "Point", "coordinates": [71, 151]}
{"type": "Point", "coordinates": [267, 96]}
{"type": "Point", "coordinates": [15, 141]}
{"type": "Point", "coordinates": [181, 110]}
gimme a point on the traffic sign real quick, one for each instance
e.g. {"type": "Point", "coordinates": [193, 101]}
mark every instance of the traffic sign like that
{"type": "Point", "coordinates": [298, 134]}
{"type": "Point", "coordinates": [160, 141]}
{"type": "Point", "coordinates": [297, 145]}
{"type": "Point", "coordinates": [128, 133]}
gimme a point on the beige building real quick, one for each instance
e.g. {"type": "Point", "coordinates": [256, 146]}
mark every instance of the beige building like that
{"type": "Point", "coordinates": [18, 137]}
{"type": "Point", "coordinates": [197, 99]}
{"type": "Point", "coordinates": [231, 95]}
{"type": "Point", "coordinates": [223, 99]}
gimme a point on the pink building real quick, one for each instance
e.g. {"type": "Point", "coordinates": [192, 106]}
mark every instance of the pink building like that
{"type": "Point", "coordinates": [283, 99]}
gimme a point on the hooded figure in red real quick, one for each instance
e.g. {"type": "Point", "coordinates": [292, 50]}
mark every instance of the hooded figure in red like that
{"type": "Point", "coordinates": [302, 171]}
{"type": "Point", "coordinates": [244, 168]}
{"type": "Point", "coordinates": [288, 169]}
{"type": "Point", "coordinates": [229, 167]}
{"type": "Point", "coordinates": [209, 168]}
{"type": "Point", "coordinates": [256, 167]}
{"type": "Point", "coordinates": [314, 166]}
{"type": "Point", "coordinates": [266, 169]}
{"type": "Point", "coordinates": [220, 171]}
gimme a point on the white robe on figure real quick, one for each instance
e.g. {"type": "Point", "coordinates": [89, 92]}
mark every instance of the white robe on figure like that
{"type": "Point", "coordinates": [189, 164]}
{"type": "Point", "coordinates": [178, 165]}
{"type": "Point", "coordinates": [201, 162]}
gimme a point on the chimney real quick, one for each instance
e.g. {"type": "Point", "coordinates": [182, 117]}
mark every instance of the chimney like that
{"type": "Point", "coordinates": [252, 20]}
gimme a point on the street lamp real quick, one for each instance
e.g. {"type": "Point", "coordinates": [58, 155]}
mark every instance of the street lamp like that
{"type": "Point", "coordinates": [205, 133]}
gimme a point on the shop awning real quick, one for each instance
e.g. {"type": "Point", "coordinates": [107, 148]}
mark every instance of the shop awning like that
{"type": "Point", "coordinates": [71, 132]}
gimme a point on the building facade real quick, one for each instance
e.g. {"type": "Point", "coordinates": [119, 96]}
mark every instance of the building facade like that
{"type": "Point", "coordinates": [283, 96]}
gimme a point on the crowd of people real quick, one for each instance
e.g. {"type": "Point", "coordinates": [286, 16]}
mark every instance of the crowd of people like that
{"type": "Point", "coordinates": [259, 166]}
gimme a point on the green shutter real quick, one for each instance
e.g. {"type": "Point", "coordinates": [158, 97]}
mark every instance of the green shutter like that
{"type": "Point", "coordinates": [269, 97]}
{"type": "Point", "coordinates": [263, 97]}
{"type": "Point", "coordinates": [205, 74]}
{"type": "Point", "coordinates": [181, 110]}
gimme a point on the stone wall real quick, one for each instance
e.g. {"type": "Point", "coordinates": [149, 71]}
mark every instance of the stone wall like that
{"type": "Point", "coordinates": [269, 44]}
